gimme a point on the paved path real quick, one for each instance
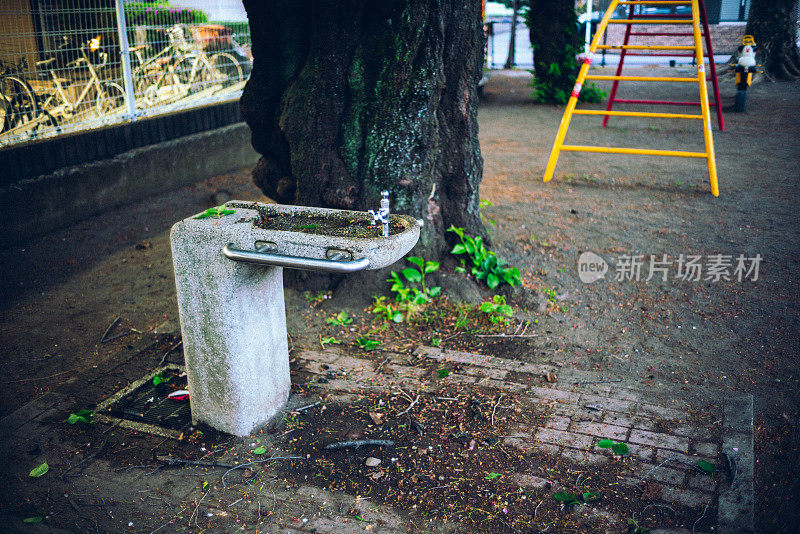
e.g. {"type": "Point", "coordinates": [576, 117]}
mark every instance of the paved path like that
{"type": "Point", "coordinates": [665, 437]}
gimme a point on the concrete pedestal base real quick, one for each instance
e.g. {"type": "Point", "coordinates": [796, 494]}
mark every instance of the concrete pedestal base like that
{"type": "Point", "coordinates": [234, 327]}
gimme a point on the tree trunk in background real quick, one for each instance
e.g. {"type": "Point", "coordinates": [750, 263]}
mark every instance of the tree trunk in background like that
{"type": "Point", "coordinates": [553, 28]}
{"type": "Point", "coordinates": [773, 25]}
{"type": "Point", "coordinates": [512, 41]}
{"type": "Point", "coordinates": [347, 99]}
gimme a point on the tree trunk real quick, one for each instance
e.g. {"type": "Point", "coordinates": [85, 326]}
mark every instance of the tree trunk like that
{"type": "Point", "coordinates": [512, 41]}
{"type": "Point", "coordinates": [773, 25]}
{"type": "Point", "coordinates": [554, 37]}
{"type": "Point", "coordinates": [347, 99]}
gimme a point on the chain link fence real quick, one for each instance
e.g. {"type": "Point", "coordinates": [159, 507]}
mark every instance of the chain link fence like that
{"type": "Point", "coordinates": [69, 65]}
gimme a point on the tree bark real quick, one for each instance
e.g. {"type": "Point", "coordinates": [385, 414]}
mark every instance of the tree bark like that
{"type": "Point", "coordinates": [512, 40]}
{"type": "Point", "coordinates": [347, 99]}
{"type": "Point", "coordinates": [554, 38]}
{"type": "Point", "coordinates": [773, 25]}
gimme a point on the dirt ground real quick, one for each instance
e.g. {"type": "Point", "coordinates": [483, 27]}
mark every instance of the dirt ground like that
{"type": "Point", "coordinates": [60, 292]}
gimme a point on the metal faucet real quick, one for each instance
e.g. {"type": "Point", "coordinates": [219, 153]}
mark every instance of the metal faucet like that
{"type": "Point", "coordinates": [383, 214]}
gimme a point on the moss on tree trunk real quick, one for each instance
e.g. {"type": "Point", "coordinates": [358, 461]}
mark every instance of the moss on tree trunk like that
{"type": "Point", "coordinates": [347, 99]}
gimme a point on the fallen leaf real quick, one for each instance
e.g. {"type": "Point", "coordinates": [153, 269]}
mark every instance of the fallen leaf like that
{"type": "Point", "coordinates": [376, 417]}
{"type": "Point", "coordinates": [376, 475]}
{"type": "Point", "coordinates": [372, 462]}
{"type": "Point", "coordinates": [36, 472]}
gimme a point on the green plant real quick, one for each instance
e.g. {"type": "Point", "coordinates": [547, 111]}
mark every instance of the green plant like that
{"type": "Point", "coordinates": [414, 275]}
{"type": "Point", "coordinates": [316, 298]}
{"type": "Point", "coordinates": [463, 319]}
{"type": "Point", "coordinates": [329, 341]}
{"type": "Point", "coordinates": [388, 310]}
{"type": "Point", "coordinates": [484, 264]}
{"type": "Point", "coordinates": [635, 528]}
{"type": "Point", "coordinates": [215, 213]}
{"type": "Point", "coordinates": [576, 498]}
{"type": "Point", "coordinates": [483, 203]}
{"type": "Point", "coordinates": [81, 416]}
{"type": "Point", "coordinates": [550, 293]}
{"type": "Point", "coordinates": [341, 319]}
{"type": "Point", "coordinates": [161, 13]}
{"type": "Point", "coordinates": [492, 476]}
{"type": "Point", "coordinates": [618, 448]}
{"type": "Point", "coordinates": [160, 379]}
{"type": "Point", "coordinates": [367, 343]}
{"type": "Point", "coordinates": [292, 420]}
{"type": "Point", "coordinates": [436, 341]}
{"type": "Point", "coordinates": [497, 310]}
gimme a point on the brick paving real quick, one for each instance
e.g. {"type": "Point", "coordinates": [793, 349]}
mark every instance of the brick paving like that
{"type": "Point", "coordinates": [664, 440]}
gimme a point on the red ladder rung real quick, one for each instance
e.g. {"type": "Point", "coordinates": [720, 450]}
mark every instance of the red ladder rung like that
{"type": "Point", "coordinates": [664, 34]}
{"type": "Point", "coordinates": [661, 102]}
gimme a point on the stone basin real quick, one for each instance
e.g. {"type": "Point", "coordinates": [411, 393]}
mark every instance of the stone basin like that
{"type": "Point", "coordinates": [229, 282]}
{"type": "Point", "coordinates": [319, 234]}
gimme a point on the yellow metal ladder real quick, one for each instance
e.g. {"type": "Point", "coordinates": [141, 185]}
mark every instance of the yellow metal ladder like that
{"type": "Point", "coordinates": [583, 75]}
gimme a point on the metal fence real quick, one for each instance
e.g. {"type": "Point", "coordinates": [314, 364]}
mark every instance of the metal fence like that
{"type": "Point", "coordinates": [68, 65]}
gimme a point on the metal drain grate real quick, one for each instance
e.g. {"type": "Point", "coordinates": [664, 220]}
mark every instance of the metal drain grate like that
{"type": "Point", "coordinates": [145, 406]}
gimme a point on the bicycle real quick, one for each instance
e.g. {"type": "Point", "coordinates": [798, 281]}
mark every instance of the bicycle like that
{"type": "Point", "coordinates": [107, 97]}
{"type": "Point", "coordinates": [19, 109]}
{"type": "Point", "coordinates": [179, 70]}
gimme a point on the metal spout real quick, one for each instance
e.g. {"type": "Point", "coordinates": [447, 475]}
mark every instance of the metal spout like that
{"type": "Point", "coordinates": [382, 215]}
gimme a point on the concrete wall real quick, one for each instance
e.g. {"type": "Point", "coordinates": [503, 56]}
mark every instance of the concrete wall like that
{"type": "Point", "coordinates": [45, 203]}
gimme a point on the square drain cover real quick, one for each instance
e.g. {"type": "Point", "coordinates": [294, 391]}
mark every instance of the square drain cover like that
{"type": "Point", "coordinates": [145, 404]}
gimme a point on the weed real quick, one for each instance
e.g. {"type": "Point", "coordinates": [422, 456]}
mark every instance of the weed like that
{"type": "Point", "coordinates": [316, 298]}
{"type": "Point", "coordinates": [329, 341]}
{"type": "Point", "coordinates": [367, 343]}
{"type": "Point", "coordinates": [417, 295]}
{"type": "Point", "coordinates": [576, 498]}
{"type": "Point", "coordinates": [389, 311]}
{"type": "Point", "coordinates": [292, 421]}
{"type": "Point", "coordinates": [215, 213]}
{"type": "Point", "coordinates": [483, 203]}
{"type": "Point", "coordinates": [341, 319]}
{"type": "Point", "coordinates": [463, 320]}
{"type": "Point", "coordinates": [436, 341]}
{"type": "Point", "coordinates": [619, 448]}
{"type": "Point", "coordinates": [550, 293]}
{"type": "Point", "coordinates": [411, 292]}
{"type": "Point", "coordinates": [485, 265]}
{"type": "Point", "coordinates": [81, 416]}
{"type": "Point", "coordinates": [635, 528]}
{"type": "Point", "coordinates": [160, 379]}
{"type": "Point", "coordinates": [497, 310]}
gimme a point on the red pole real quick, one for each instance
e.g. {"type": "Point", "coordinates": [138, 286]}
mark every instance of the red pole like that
{"type": "Point", "coordinates": [619, 67]}
{"type": "Point", "coordinates": [712, 64]}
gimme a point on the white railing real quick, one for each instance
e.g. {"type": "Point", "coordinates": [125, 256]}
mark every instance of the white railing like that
{"type": "Point", "coordinates": [101, 62]}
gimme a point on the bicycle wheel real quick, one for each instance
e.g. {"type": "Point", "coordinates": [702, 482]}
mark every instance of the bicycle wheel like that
{"type": "Point", "coordinates": [227, 68]}
{"type": "Point", "coordinates": [20, 104]}
{"type": "Point", "coordinates": [195, 72]}
{"type": "Point", "coordinates": [110, 99]}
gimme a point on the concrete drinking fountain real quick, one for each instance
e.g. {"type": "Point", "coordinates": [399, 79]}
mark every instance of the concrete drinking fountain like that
{"type": "Point", "coordinates": [229, 280]}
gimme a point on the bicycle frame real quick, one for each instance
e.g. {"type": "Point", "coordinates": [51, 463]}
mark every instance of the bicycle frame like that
{"type": "Point", "coordinates": [68, 107]}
